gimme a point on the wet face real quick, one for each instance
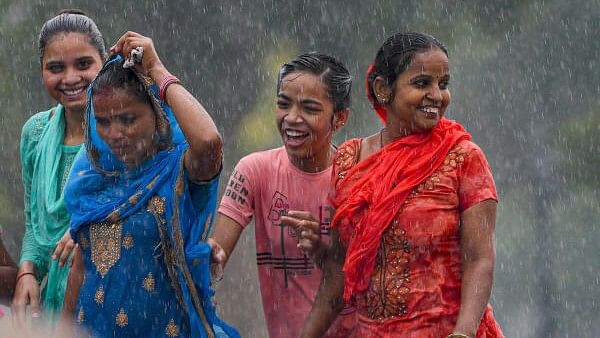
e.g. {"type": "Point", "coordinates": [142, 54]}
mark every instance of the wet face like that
{"type": "Point", "coordinates": [69, 64]}
{"type": "Point", "coordinates": [420, 95]}
{"type": "Point", "coordinates": [304, 117]}
{"type": "Point", "coordinates": [127, 125]}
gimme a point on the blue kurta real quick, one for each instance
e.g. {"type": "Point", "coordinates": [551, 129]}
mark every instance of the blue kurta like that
{"type": "Point", "coordinates": [127, 291]}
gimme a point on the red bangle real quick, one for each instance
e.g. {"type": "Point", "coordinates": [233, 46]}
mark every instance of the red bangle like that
{"type": "Point", "coordinates": [24, 274]}
{"type": "Point", "coordinates": [164, 84]}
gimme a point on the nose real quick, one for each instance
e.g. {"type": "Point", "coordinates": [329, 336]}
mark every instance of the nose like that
{"type": "Point", "coordinates": [434, 94]}
{"type": "Point", "coordinates": [113, 132]}
{"type": "Point", "coordinates": [72, 76]}
{"type": "Point", "coordinates": [294, 115]}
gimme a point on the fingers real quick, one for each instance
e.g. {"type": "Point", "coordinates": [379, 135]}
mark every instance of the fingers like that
{"type": "Point", "coordinates": [63, 249]}
{"type": "Point", "coordinates": [66, 252]}
{"type": "Point", "coordinates": [58, 249]}
{"type": "Point", "coordinates": [34, 302]}
{"type": "Point", "coordinates": [26, 291]}
{"type": "Point", "coordinates": [218, 253]}
{"type": "Point", "coordinates": [118, 46]}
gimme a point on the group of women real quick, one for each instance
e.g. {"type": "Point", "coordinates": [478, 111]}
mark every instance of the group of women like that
{"type": "Point", "coordinates": [120, 181]}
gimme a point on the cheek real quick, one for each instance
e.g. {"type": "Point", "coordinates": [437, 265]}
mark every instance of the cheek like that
{"type": "Point", "coordinates": [50, 80]}
{"type": "Point", "coordinates": [447, 98]}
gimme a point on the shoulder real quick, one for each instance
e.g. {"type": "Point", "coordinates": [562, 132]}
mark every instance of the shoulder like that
{"type": "Point", "coordinates": [346, 156]}
{"type": "Point", "coordinates": [470, 151]}
{"type": "Point", "coordinates": [33, 127]}
{"type": "Point", "coordinates": [468, 146]}
{"type": "Point", "coordinates": [262, 160]}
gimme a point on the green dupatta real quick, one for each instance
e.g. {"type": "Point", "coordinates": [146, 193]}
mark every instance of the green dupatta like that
{"type": "Point", "coordinates": [48, 218]}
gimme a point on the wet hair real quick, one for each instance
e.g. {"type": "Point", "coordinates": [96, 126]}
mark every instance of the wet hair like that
{"type": "Point", "coordinates": [71, 21]}
{"type": "Point", "coordinates": [333, 73]}
{"type": "Point", "coordinates": [114, 77]}
{"type": "Point", "coordinates": [396, 54]}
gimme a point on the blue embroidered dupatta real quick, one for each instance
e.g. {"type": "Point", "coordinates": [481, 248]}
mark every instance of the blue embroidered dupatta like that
{"type": "Point", "coordinates": [102, 189]}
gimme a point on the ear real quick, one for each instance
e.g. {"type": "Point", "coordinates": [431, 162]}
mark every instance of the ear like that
{"type": "Point", "coordinates": [340, 118]}
{"type": "Point", "coordinates": [383, 92]}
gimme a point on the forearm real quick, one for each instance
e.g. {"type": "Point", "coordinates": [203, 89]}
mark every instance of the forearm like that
{"type": "Point", "coordinates": [74, 282]}
{"type": "Point", "coordinates": [475, 293]}
{"type": "Point", "coordinates": [328, 302]}
{"type": "Point", "coordinates": [198, 127]}
{"type": "Point", "coordinates": [226, 233]}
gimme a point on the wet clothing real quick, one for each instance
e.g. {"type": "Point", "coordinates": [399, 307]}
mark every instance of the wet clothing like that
{"type": "Point", "coordinates": [264, 185]}
{"type": "Point", "coordinates": [46, 164]}
{"type": "Point", "coordinates": [142, 231]}
{"type": "Point", "coordinates": [399, 215]}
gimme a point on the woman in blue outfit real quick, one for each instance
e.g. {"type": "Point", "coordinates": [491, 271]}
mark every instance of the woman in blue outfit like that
{"type": "Point", "coordinates": [142, 199]}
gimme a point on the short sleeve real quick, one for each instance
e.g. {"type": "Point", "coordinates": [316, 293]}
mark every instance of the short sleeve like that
{"type": "Point", "coordinates": [237, 202]}
{"type": "Point", "coordinates": [476, 183]}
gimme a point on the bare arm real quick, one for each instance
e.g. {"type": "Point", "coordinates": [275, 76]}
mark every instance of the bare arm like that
{"type": "Point", "coordinates": [224, 238]}
{"type": "Point", "coordinates": [203, 160]}
{"type": "Point", "coordinates": [478, 258]}
{"type": "Point", "coordinates": [328, 302]}
{"type": "Point", "coordinates": [65, 327]}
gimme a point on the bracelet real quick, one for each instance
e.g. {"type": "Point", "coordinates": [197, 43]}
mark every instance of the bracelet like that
{"type": "Point", "coordinates": [164, 84]}
{"type": "Point", "coordinates": [24, 274]}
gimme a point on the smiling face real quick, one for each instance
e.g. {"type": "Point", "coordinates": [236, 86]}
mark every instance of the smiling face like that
{"type": "Point", "coordinates": [420, 95]}
{"type": "Point", "coordinates": [127, 125]}
{"type": "Point", "coordinates": [304, 117]}
{"type": "Point", "coordinates": [69, 64]}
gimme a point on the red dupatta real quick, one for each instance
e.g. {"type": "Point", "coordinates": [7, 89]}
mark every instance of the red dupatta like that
{"type": "Point", "coordinates": [365, 212]}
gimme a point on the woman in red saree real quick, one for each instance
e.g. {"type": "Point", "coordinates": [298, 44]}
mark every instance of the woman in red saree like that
{"type": "Point", "coordinates": [416, 208]}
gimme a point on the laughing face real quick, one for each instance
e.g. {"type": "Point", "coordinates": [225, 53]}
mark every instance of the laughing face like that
{"type": "Point", "coordinates": [304, 117]}
{"type": "Point", "coordinates": [420, 95]}
{"type": "Point", "coordinates": [69, 64]}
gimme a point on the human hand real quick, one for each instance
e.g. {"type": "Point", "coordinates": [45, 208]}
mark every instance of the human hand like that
{"type": "Point", "coordinates": [218, 259]}
{"type": "Point", "coordinates": [27, 291]}
{"type": "Point", "coordinates": [63, 248]}
{"type": "Point", "coordinates": [150, 64]}
{"type": "Point", "coordinates": [307, 229]}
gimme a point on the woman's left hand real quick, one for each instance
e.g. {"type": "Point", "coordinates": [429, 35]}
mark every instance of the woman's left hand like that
{"type": "Point", "coordinates": [63, 248]}
{"type": "Point", "coordinates": [150, 64]}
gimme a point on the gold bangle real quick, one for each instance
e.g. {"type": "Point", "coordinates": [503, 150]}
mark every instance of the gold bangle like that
{"type": "Point", "coordinates": [457, 335]}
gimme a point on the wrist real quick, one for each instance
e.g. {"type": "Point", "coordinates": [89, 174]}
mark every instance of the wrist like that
{"type": "Point", "coordinates": [158, 72]}
{"type": "Point", "coordinates": [24, 275]}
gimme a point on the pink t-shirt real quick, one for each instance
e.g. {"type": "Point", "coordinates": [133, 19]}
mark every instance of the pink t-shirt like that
{"type": "Point", "coordinates": [263, 185]}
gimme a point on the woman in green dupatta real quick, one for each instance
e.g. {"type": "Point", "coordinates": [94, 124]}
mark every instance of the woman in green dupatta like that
{"type": "Point", "coordinates": [71, 54]}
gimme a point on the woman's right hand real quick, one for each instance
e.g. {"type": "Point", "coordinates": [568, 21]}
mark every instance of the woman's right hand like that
{"type": "Point", "coordinates": [63, 249]}
{"type": "Point", "coordinates": [27, 292]}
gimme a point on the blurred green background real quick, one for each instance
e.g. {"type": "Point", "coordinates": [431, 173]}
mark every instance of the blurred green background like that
{"type": "Point", "coordinates": [525, 83]}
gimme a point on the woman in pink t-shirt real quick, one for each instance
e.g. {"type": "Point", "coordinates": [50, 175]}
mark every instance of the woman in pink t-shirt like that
{"type": "Point", "coordinates": [285, 190]}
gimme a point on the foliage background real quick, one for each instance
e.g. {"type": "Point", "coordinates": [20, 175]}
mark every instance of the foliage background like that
{"type": "Point", "coordinates": [524, 82]}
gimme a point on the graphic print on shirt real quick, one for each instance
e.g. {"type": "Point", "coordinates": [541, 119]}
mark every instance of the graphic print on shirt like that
{"type": "Point", "coordinates": [290, 265]}
{"type": "Point", "coordinates": [236, 189]}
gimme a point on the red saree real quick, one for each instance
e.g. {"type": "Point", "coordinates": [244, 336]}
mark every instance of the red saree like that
{"type": "Point", "coordinates": [399, 215]}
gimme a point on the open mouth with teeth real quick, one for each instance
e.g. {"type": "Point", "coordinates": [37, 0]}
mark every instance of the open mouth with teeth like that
{"type": "Point", "coordinates": [430, 112]}
{"type": "Point", "coordinates": [73, 93]}
{"type": "Point", "coordinates": [294, 137]}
